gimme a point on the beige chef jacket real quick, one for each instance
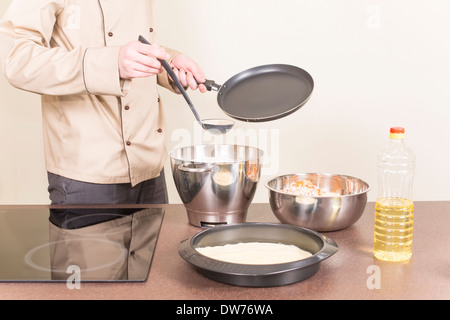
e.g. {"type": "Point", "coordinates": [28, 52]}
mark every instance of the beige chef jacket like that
{"type": "Point", "coordinates": [97, 127]}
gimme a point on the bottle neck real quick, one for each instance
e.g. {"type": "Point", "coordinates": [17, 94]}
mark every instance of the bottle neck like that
{"type": "Point", "coordinates": [397, 141]}
{"type": "Point", "coordinates": [399, 136]}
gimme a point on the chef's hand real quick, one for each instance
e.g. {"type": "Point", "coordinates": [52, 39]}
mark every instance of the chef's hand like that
{"type": "Point", "coordinates": [188, 71]}
{"type": "Point", "coordinates": [138, 60]}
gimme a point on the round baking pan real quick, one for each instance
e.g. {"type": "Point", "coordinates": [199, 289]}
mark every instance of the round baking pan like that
{"type": "Point", "coordinates": [271, 275]}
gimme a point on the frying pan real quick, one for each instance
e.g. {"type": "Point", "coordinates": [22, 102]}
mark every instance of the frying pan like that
{"type": "Point", "coordinates": [264, 93]}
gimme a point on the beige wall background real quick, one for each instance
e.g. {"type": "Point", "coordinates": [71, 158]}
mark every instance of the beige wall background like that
{"type": "Point", "coordinates": [375, 64]}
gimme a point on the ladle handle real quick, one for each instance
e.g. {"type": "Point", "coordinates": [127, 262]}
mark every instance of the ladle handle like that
{"type": "Point", "coordinates": [175, 79]}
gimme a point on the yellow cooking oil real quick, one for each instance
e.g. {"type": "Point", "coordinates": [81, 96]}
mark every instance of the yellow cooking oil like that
{"type": "Point", "coordinates": [393, 229]}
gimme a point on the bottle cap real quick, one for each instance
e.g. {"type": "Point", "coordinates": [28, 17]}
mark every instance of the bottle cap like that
{"type": "Point", "coordinates": [397, 133]}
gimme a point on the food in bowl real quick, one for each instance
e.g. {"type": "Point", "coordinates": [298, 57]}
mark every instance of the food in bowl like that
{"type": "Point", "coordinates": [304, 188]}
{"type": "Point", "coordinates": [255, 253]}
{"type": "Point", "coordinates": [340, 208]}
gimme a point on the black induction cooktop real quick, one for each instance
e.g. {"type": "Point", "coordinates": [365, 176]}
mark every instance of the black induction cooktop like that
{"type": "Point", "coordinates": [73, 244]}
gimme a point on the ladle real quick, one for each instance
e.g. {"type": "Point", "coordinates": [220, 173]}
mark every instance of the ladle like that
{"type": "Point", "coordinates": [216, 126]}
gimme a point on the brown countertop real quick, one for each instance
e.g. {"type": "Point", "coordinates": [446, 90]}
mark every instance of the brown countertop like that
{"type": "Point", "coordinates": [346, 275]}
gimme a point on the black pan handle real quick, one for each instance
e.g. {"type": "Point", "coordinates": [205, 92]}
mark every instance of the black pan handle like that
{"type": "Point", "coordinates": [210, 85]}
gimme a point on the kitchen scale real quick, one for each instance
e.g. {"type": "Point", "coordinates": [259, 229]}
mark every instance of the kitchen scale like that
{"type": "Point", "coordinates": [78, 244]}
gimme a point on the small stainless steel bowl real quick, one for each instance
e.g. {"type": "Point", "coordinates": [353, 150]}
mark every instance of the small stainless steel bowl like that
{"type": "Point", "coordinates": [271, 275]}
{"type": "Point", "coordinates": [322, 213]}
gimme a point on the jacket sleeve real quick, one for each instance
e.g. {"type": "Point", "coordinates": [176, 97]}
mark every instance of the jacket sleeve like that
{"type": "Point", "coordinates": [29, 61]}
{"type": "Point", "coordinates": [34, 61]}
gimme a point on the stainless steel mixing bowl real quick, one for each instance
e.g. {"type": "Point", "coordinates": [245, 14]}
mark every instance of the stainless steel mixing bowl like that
{"type": "Point", "coordinates": [216, 182]}
{"type": "Point", "coordinates": [321, 213]}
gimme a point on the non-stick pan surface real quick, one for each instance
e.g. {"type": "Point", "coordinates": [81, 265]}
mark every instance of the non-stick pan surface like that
{"type": "Point", "coordinates": [265, 93]}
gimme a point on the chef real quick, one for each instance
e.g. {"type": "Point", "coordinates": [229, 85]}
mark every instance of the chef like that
{"type": "Point", "coordinates": [103, 119]}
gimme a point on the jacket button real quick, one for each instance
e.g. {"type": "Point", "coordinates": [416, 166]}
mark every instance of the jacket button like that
{"type": "Point", "coordinates": [127, 108]}
{"type": "Point", "coordinates": [160, 130]}
{"type": "Point", "coordinates": [128, 143]}
{"type": "Point", "coordinates": [110, 34]}
{"type": "Point", "coordinates": [151, 29]}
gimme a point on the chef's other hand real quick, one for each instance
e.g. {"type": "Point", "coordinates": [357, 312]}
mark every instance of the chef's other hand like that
{"type": "Point", "coordinates": [138, 60]}
{"type": "Point", "coordinates": [188, 71]}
